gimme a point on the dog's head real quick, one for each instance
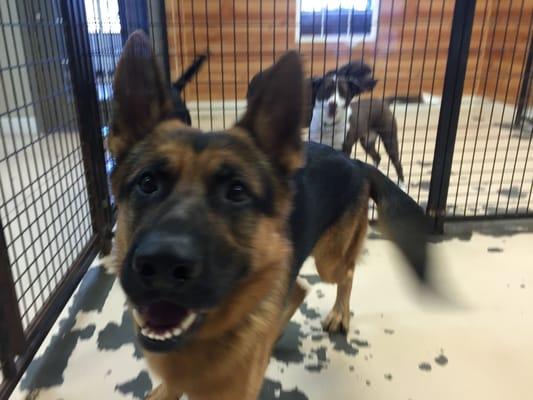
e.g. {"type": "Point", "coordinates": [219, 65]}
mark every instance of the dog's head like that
{"type": "Point", "coordinates": [333, 92]}
{"type": "Point", "coordinates": [202, 225]}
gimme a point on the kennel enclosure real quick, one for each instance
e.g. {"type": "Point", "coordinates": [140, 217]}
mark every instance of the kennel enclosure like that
{"type": "Point", "coordinates": [465, 145]}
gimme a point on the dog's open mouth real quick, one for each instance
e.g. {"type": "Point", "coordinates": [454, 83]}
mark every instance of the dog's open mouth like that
{"type": "Point", "coordinates": [163, 325]}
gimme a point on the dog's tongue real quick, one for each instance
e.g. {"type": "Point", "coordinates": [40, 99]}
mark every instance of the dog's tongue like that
{"type": "Point", "coordinates": [163, 315]}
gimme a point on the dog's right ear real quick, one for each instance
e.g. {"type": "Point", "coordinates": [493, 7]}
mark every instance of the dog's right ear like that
{"type": "Point", "coordinates": [141, 96]}
{"type": "Point", "coordinates": [274, 113]}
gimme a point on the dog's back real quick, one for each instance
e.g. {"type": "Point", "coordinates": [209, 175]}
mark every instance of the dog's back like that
{"type": "Point", "coordinates": [370, 119]}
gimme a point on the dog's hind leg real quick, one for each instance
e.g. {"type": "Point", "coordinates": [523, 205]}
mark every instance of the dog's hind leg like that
{"type": "Point", "coordinates": [390, 141]}
{"type": "Point", "coordinates": [335, 255]}
{"type": "Point", "coordinates": [368, 142]}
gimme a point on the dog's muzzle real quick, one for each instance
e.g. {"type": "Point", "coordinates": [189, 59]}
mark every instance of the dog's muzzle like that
{"type": "Point", "coordinates": [163, 266]}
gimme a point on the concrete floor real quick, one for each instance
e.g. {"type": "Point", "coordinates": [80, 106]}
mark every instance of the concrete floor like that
{"type": "Point", "coordinates": [401, 345]}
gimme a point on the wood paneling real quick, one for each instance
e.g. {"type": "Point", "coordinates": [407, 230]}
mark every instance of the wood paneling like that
{"type": "Point", "coordinates": [408, 54]}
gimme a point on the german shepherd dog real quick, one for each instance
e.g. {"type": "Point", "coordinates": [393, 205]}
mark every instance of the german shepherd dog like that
{"type": "Point", "coordinates": [213, 227]}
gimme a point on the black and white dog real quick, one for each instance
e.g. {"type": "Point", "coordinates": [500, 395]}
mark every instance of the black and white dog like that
{"type": "Point", "coordinates": [337, 117]}
{"type": "Point", "coordinates": [331, 98]}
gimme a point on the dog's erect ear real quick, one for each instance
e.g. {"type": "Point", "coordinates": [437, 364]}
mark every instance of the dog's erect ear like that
{"type": "Point", "coordinates": [141, 97]}
{"type": "Point", "coordinates": [274, 113]}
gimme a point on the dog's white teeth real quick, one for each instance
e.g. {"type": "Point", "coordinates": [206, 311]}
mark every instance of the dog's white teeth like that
{"type": "Point", "coordinates": [187, 322]}
{"type": "Point", "coordinates": [177, 331]}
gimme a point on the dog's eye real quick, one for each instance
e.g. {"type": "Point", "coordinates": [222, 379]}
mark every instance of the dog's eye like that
{"type": "Point", "coordinates": [237, 193]}
{"type": "Point", "coordinates": [148, 183]}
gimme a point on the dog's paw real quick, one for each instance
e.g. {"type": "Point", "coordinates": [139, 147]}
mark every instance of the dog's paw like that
{"type": "Point", "coordinates": [336, 321]}
{"type": "Point", "coordinates": [161, 393]}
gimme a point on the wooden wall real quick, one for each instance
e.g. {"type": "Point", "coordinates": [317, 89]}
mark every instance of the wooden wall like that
{"type": "Point", "coordinates": [408, 55]}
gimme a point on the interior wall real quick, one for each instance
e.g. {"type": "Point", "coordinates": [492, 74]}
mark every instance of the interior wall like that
{"type": "Point", "coordinates": [408, 54]}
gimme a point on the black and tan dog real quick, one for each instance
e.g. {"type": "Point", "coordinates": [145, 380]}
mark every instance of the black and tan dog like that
{"type": "Point", "coordinates": [213, 227]}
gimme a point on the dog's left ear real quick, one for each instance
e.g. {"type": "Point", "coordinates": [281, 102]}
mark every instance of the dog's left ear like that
{"type": "Point", "coordinates": [274, 113]}
{"type": "Point", "coordinates": [141, 96]}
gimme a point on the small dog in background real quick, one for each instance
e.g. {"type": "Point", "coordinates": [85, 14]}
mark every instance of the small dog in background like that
{"type": "Point", "coordinates": [180, 108]}
{"type": "Point", "coordinates": [338, 118]}
{"type": "Point", "coordinates": [331, 97]}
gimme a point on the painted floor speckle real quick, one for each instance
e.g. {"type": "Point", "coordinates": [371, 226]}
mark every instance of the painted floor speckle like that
{"type": "Point", "coordinates": [401, 345]}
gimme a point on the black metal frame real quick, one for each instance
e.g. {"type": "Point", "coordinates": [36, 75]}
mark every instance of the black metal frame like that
{"type": "Point", "coordinates": [463, 20]}
{"type": "Point", "coordinates": [526, 89]}
{"type": "Point", "coordinates": [17, 346]}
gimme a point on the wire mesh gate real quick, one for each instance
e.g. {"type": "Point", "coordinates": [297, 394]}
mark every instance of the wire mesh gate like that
{"type": "Point", "coordinates": [57, 60]}
{"type": "Point", "coordinates": [466, 61]}
{"type": "Point", "coordinates": [464, 144]}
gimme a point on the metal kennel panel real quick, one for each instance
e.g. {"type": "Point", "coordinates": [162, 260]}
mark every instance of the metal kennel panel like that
{"type": "Point", "coordinates": [53, 198]}
{"type": "Point", "coordinates": [57, 62]}
{"type": "Point", "coordinates": [404, 42]}
{"type": "Point", "coordinates": [492, 168]}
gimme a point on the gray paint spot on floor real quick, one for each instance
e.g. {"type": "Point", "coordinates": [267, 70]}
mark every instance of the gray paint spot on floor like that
{"type": "Point", "coordinates": [522, 286]}
{"type": "Point", "coordinates": [441, 360]}
{"type": "Point", "coordinates": [114, 336]}
{"type": "Point", "coordinates": [310, 313]}
{"type": "Point", "coordinates": [374, 236]}
{"type": "Point", "coordinates": [351, 368]}
{"type": "Point", "coordinates": [138, 387]}
{"type": "Point", "coordinates": [311, 278]}
{"type": "Point", "coordinates": [388, 377]}
{"type": "Point", "coordinates": [321, 360]}
{"type": "Point", "coordinates": [318, 338]}
{"type": "Point", "coordinates": [513, 192]}
{"type": "Point", "coordinates": [340, 343]}
{"type": "Point", "coordinates": [368, 383]}
{"type": "Point", "coordinates": [360, 343]}
{"type": "Point", "coordinates": [94, 300]}
{"type": "Point", "coordinates": [47, 370]}
{"type": "Point", "coordinates": [424, 185]}
{"type": "Point", "coordinates": [287, 349]}
{"type": "Point", "coordinates": [494, 249]}
{"type": "Point", "coordinates": [272, 390]}
{"type": "Point", "coordinates": [424, 366]}
{"type": "Point", "coordinates": [389, 331]}
{"type": "Point", "coordinates": [88, 332]}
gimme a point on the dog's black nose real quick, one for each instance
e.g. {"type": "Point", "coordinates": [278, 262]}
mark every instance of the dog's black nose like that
{"type": "Point", "coordinates": [166, 261]}
{"type": "Point", "coordinates": [332, 107]}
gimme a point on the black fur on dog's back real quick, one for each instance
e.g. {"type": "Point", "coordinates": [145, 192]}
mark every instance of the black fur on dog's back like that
{"type": "Point", "coordinates": [330, 183]}
{"type": "Point", "coordinates": [180, 109]}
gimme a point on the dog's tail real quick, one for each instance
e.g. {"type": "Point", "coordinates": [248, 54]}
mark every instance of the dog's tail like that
{"type": "Point", "coordinates": [402, 220]}
{"type": "Point", "coordinates": [192, 70]}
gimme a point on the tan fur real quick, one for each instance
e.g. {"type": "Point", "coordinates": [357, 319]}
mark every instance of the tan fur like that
{"type": "Point", "coordinates": [335, 256]}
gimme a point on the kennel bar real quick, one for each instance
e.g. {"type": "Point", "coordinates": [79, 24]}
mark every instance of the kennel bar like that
{"type": "Point", "coordinates": [525, 101]}
{"type": "Point", "coordinates": [462, 23]}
